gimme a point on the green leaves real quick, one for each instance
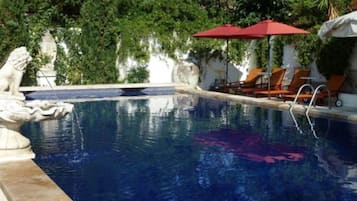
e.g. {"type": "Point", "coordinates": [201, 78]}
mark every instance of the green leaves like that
{"type": "Point", "coordinates": [100, 33]}
{"type": "Point", "coordinates": [138, 75]}
{"type": "Point", "coordinates": [334, 54]}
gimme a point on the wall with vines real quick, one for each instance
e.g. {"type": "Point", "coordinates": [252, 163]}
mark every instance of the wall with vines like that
{"type": "Point", "coordinates": [93, 29]}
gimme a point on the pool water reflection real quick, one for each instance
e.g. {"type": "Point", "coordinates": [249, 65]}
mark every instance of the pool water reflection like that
{"type": "Point", "coordinates": [184, 147]}
{"type": "Point", "coordinates": [249, 146]}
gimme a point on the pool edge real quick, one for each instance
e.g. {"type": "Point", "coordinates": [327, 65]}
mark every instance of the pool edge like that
{"type": "Point", "coordinates": [12, 185]}
{"type": "Point", "coordinates": [25, 181]}
{"type": "Point", "coordinates": [339, 113]}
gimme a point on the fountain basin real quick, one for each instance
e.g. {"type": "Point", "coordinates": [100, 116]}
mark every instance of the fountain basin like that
{"type": "Point", "coordinates": [13, 113]}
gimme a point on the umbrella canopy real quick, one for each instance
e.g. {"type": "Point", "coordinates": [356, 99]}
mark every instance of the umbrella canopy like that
{"type": "Point", "coordinates": [269, 28]}
{"type": "Point", "coordinates": [227, 32]}
{"type": "Point", "coordinates": [343, 26]}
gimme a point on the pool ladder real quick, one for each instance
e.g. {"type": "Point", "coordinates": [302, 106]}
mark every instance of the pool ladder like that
{"type": "Point", "coordinates": [312, 103]}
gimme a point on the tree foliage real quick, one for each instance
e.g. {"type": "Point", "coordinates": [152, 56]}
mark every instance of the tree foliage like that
{"type": "Point", "coordinates": [97, 33]}
{"type": "Point", "coordinates": [334, 56]}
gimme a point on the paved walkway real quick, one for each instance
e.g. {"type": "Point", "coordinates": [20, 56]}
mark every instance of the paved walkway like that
{"type": "Point", "coordinates": [24, 181]}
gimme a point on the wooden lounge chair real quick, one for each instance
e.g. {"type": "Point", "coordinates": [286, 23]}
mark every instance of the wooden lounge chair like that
{"type": "Point", "coordinates": [292, 88]}
{"type": "Point", "coordinates": [252, 77]}
{"type": "Point", "coordinates": [334, 84]}
{"type": "Point", "coordinates": [250, 81]}
{"type": "Point", "coordinates": [276, 80]}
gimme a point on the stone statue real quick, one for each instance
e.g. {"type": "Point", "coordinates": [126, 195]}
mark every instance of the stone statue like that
{"type": "Point", "coordinates": [11, 73]}
{"type": "Point", "coordinates": [14, 110]}
{"type": "Point", "coordinates": [46, 76]}
{"type": "Point", "coordinates": [48, 48]}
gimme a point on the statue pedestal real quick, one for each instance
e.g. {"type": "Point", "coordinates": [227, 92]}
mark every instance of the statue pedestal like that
{"type": "Point", "coordinates": [46, 77]}
{"type": "Point", "coordinates": [13, 145]}
{"type": "Point", "coordinates": [14, 110]}
{"type": "Point", "coordinates": [16, 155]}
{"type": "Point", "coordinates": [13, 113]}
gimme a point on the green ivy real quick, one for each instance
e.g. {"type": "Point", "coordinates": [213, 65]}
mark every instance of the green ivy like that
{"type": "Point", "coordinates": [93, 31]}
{"type": "Point", "coordinates": [138, 75]}
{"type": "Point", "coordinates": [98, 41]}
{"type": "Point", "coordinates": [307, 46]}
{"type": "Point", "coordinates": [278, 51]}
{"type": "Point", "coordinates": [61, 67]}
{"type": "Point", "coordinates": [262, 53]}
{"type": "Point", "coordinates": [334, 56]}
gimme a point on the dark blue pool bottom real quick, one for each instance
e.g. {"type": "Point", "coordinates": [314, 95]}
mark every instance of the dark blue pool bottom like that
{"type": "Point", "coordinates": [98, 93]}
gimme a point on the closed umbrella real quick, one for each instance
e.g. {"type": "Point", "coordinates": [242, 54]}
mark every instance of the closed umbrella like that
{"type": "Point", "coordinates": [269, 28]}
{"type": "Point", "coordinates": [343, 26]}
{"type": "Point", "coordinates": [226, 32]}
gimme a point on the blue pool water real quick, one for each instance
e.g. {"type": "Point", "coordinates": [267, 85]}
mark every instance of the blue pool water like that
{"type": "Point", "coordinates": [183, 147]}
{"type": "Point", "coordinates": [97, 93]}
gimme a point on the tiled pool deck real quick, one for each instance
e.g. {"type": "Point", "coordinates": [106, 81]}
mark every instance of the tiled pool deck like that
{"type": "Point", "coordinates": [25, 181]}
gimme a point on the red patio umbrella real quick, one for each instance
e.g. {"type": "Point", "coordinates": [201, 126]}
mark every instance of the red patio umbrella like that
{"type": "Point", "coordinates": [269, 28]}
{"type": "Point", "coordinates": [226, 32]}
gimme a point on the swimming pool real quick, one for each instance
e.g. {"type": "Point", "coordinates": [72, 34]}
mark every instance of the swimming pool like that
{"type": "Point", "coordinates": [183, 147]}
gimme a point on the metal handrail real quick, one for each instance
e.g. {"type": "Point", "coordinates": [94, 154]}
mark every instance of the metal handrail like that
{"type": "Point", "coordinates": [294, 103]}
{"type": "Point", "coordinates": [312, 103]}
{"type": "Point", "coordinates": [313, 99]}
{"type": "Point", "coordinates": [299, 92]}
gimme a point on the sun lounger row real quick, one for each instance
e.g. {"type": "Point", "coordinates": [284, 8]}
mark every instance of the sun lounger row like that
{"type": "Point", "coordinates": [256, 85]}
{"type": "Point", "coordinates": [251, 80]}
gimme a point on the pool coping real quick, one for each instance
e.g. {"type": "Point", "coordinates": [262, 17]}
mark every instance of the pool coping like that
{"type": "Point", "coordinates": [340, 113]}
{"type": "Point", "coordinates": [26, 181]}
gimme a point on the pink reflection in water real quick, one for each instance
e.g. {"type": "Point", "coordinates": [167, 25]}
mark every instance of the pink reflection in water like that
{"type": "Point", "coordinates": [249, 146]}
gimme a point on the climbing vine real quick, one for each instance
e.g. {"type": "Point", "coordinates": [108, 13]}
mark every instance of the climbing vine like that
{"type": "Point", "coordinates": [99, 34]}
{"type": "Point", "coordinates": [333, 57]}
{"type": "Point", "coordinates": [261, 52]}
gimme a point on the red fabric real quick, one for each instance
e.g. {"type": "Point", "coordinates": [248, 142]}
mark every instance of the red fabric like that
{"type": "Point", "coordinates": [225, 31]}
{"type": "Point", "coordinates": [270, 27]}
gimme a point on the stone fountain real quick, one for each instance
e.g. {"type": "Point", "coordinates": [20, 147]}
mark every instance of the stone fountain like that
{"type": "Point", "coordinates": [15, 110]}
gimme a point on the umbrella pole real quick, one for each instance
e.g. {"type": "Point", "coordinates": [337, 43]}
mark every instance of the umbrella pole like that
{"type": "Point", "coordinates": [269, 67]}
{"type": "Point", "coordinates": [226, 82]}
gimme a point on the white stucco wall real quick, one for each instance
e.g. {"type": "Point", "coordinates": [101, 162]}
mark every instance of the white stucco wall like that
{"type": "Point", "coordinates": [290, 61]}
{"type": "Point", "coordinates": [160, 68]}
{"type": "Point", "coordinates": [163, 69]}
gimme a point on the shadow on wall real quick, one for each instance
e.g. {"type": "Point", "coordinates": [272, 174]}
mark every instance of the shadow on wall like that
{"type": "Point", "coordinates": [214, 72]}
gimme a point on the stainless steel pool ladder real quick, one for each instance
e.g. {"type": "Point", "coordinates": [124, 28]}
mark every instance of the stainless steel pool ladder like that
{"type": "Point", "coordinates": [312, 103]}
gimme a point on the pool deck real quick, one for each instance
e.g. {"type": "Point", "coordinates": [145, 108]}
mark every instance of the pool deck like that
{"type": "Point", "coordinates": [342, 113]}
{"type": "Point", "coordinates": [25, 181]}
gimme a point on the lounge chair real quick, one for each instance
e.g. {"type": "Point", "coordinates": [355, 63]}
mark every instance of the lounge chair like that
{"type": "Point", "coordinates": [292, 88]}
{"type": "Point", "coordinates": [276, 80]}
{"type": "Point", "coordinates": [250, 81]}
{"type": "Point", "coordinates": [334, 84]}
